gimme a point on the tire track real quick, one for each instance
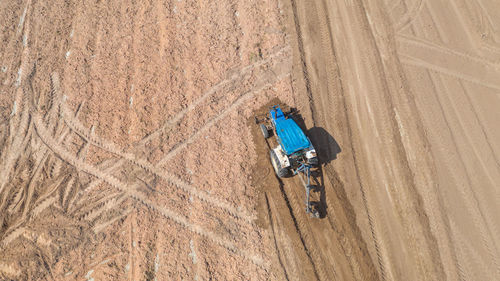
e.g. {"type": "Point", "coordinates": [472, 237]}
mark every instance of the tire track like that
{"type": "Point", "coordinates": [100, 227]}
{"type": "Point", "coordinates": [462, 247]}
{"type": "Point", "coordinates": [82, 153]}
{"type": "Point", "coordinates": [299, 226]}
{"type": "Point", "coordinates": [146, 165]}
{"type": "Point", "coordinates": [304, 238]}
{"type": "Point", "coordinates": [106, 206]}
{"type": "Point", "coordinates": [443, 36]}
{"type": "Point", "coordinates": [330, 68]}
{"type": "Point", "coordinates": [52, 188]}
{"type": "Point", "coordinates": [446, 220]}
{"type": "Point", "coordinates": [409, 60]}
{"type": "Point", "coordinates": [305, 233]}
{"type": "Point", "coordinates": [463, 125]}
{"type": "Point", "coordinates": [43, 205]}
{"type": "Point", "coordinates": [86, 209]}
{"type": "Point", "coordinates": [238, 102]}
{"type": "Point", "coordinates": [391, 9]}
{"type": "Point", "coordinates": [131, 257]}
{"type": "Point", "coordinates": [410, 16]}
{"type": "Point", "coordinates": [473, 207]}
{"type": "Point", "coordinates": [67, 190]}
{"type": "Point", "coordinates": [17, 144]}
{"type": "Point", "coordinates": [220, 85]}
{"type": "Point", "coordinates": [346, 245]}
{"type": "Point", "coordinates": [341, 239]}
{"type": "Point", "coordinates": [278, 252]}
{"type": "Point", "coordinates": [20, 195]}
{"type": "Point", "coordinates": [16, 202]}
{"type": "Point", "coordinates": [484, 12]}
{"type": "Point", "coordinates": [466, 91]}
{"type": "Point", "coordinates": [464, 24]}
{"type": "Point", "coordinates": [12, 236]}
{"type": "Point", "coordinates": [97, 181]}
{"type": "Point", "coordinates": [130, 192]}
{"type": "Point", "coordinates": [436, 48]}
{"type": "Point", "coordinates": [480, 212]}
{"type": "Point", "coordinates": [302, 58]}
{"type": "Point", "coordinates": [396, 166]}
{"type": "Point", "coordinates": [378, 242]}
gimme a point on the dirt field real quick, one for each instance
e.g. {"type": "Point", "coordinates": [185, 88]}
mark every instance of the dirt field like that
{"type": "Point", "coordinates": [128, 151]}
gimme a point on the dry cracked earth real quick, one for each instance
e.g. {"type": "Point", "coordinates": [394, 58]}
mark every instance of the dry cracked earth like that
{"type": "Point", "coordinates": [128, 149]}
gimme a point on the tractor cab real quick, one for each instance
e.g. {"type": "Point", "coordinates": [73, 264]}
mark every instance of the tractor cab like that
{"type": "Point", "coordinates": [292, 140]}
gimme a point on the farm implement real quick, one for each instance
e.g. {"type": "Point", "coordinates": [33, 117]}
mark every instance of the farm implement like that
{"type": "Point", "coordinates": [294, 153]}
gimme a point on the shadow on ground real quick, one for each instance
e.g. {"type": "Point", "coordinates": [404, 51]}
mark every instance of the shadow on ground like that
{"type": "Point", "coordinates": [327, 149]}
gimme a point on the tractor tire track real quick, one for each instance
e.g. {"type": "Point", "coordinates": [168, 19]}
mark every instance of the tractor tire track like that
{"type": "Point", "coordinates": [43, 205]}
{"type": "Point", "coordinates": [304, 238]}
{"type": "Point", "coordinates": [100, 227]}
{"type": "Point", "coordinates": [52, 187]}
{"type": "Point", "coordinates": [472, 255]}
{"type": "Point", "coordinates": [78, 200]}
{"type": "Point", "coordinates": [347, 246]}
{"type": "Point", "coordinates": [130, 192]}
{"type": "Point", "coordinates": [67, 192]}
{"type": "Point", "coordinates": [278, 252]}
{"type": "Point", "coordinates": [316, 257]}
{"type": "Point", "coordinates": [410, 16]}
{"type": "Point", "coordinates": [17, 144]}
{"type": "Point", "coordinates": [299, 227]}
{"type": "Point", "coordinates": [487, 139]}
{"type": "Point", "coordinates": [436, 68]}
{"type": "Point", "coordinates": [432, 71]}
{"type": "Point", "coordinates": [106, 206]}
{"type": "Point", "coordinates": [239, 75]}
{"type": "Point", "coordinates": [11, 236]}
{"type": "Point", "coordinates": [369, 209]}
{"type": "Point", "coordinates": [480, 217]}
{"type": "Point", "coordinates": [436, 48]}
{"type": "Point", "coordinates": [451, 241]}
{"type": "Point", "coordinates": [146, 165]}
{"type": "Point", "coordinates": [85, 209]}
{"type": "Point", "coordinates": [327, 33]}
{"type": "Point", "coordinates": [237, 103]}
{"type": "Point", "coordinates": [334, 79]}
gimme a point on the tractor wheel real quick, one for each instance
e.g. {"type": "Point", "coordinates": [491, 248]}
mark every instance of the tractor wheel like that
{"type": "Point", "coordinates": [265, 131]}
{"type": "Point", "coordinates": [280, 172]}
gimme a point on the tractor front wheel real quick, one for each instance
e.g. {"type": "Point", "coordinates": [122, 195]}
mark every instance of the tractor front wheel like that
{"type": "Point", "coordinates": [265, 131]}
{"type": "Point", "coordinates": [280, 172]}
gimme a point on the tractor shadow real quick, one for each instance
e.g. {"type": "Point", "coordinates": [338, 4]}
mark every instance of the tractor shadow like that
{"type": "Point", "coordinates": [325, 144]}
{"type": "Point", "coordinates": [327, 149]}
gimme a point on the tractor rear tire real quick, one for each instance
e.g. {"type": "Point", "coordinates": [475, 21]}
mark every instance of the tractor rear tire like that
{"type": "Point", "coordinates": [280, 172]}
{"type": "Point", "coordinates": [265, 131]}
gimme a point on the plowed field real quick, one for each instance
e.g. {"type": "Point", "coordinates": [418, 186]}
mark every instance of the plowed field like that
{"type": "Point", "coordinates": [128, 149]}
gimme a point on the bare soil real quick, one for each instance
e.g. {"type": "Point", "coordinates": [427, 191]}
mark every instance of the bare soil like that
{"type": "Point", "coordinates": [128, 149]}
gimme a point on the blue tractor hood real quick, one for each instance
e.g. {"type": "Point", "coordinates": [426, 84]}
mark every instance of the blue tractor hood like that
{"type": "Point", "coordinates": [290, 135]}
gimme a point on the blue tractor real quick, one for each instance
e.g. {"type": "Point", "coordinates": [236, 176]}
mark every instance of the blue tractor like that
{"type": "Point", "coordinates": [294, 152]}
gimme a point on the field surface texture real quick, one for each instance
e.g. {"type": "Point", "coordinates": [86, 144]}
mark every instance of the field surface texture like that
{"type": "Point", "coordinates": [128, 149]}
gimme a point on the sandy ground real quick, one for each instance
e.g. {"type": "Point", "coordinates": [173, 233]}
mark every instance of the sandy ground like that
{"type": "Point", "coordinates": [408, 91]}
{"type": "Point", "coordinates": [128, 152]}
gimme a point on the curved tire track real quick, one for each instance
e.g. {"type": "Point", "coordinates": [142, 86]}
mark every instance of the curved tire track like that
{"type": "Point", "coordinates": [130, 191]}
{"type": "Point", "coordinates": [146, 165]}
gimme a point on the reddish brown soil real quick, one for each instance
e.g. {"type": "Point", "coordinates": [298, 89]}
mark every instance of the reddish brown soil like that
{"type": "Point", "coordinates": [128, 151]}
